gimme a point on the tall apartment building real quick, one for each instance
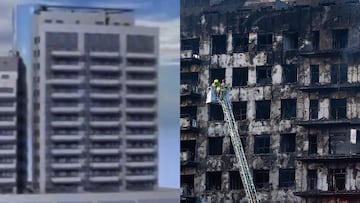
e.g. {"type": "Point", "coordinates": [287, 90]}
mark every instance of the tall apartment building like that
{"type": "Point", "coordinates": [295, 75]}
{"type": "Point", "coordinates": [12, 125]}
{"type": "Point", "coordinates": [94, 101]}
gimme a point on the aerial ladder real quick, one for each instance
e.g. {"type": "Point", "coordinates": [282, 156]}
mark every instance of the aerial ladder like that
{"type": "Point", "coordinates": [224, 100]}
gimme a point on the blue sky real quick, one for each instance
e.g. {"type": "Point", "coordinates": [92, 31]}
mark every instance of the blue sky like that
{"type": "Point", "coordinates": [158, 13]}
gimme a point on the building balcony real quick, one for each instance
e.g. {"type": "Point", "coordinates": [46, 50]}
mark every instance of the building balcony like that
{"type": "Point", "coordinates": [67, 67]}
{"type": "Point", "coordinates": [67, 137]}
{"type": "Point", "coordinates": [141, 55]}
{"type": "Point", "coordinates": [328, 122]}
{"type": "Point", "coordinates": [67, 151]}
{"type": "Point", "coordinates": [8, 109]}
{"type": "Point", "coordinates": [105, 123]}
{"type": "Point", "coordinates": [7, 95]}
{"type": "Point", "coordinates": [140, 177]}
{"type": "Point", "coordinates": [105, 82]}
{"type": "Point", "coordinates": [319, 193]}
{"type": "Point", "coordinates": [188, 123]}
{"type": "Point", "coordinates": [66, 53]}
{"type": "Point", "coordinates": [105, 68]}
{"type": "Point", "coordinates": [105, 151]}
{"type": "Point", "coordinates": [7, 138]}
{"type": "Point", "coordinates": [141, 82]}
{"type": "Point", "coordinates": [75, 165]}
{"type": "Point", "coordinates": [67, 109]}
{"type": "Point", "coordinates": [8, 151]}
{"type": "Point", "coordinates": [141, 69]}
{"type": "Point", "coordinates": [104, 109]}
{"type": "Point", "coordinates": [187, 158]}
{"type": "Point", "coordinates": [66, 81]}
{"type": "Point", "coordinates": [330, 87]}
{"type": "Point", "coordinates": [63, 180]}
{"type": "Point", "coordinates": [189, 90]}
{"type": "Point", "coordinates": [141, 150]}
{"type": "Point", "coordinates": [141, 137]}
{"type": "Point", "coordinates": [141, 123]}
{"type": "Point", "coordinates": [8, 123]}
{"type": "Point", "coordinates": [104, 137]}
{"type": "Point", "coordinates": [67, 95]}
{"type": "Point", "coordinates": [103, 54]}
{"type": "Point", "coordinates": [329, 52]}
{"type": "Point", "coordinates": [189, 57]}
{"type": "Point", "coordinates": [105, 95]}
{"type": "Point", "coordinates": [8, 165]}
{"type": "Point", "coordinates": [141, 96]}
{"type": "Point", "coordinates": [104, 179]}
{"type": "Point", "coordinates": [7, 180]}
{"type": "Point", "coordinates": [141, 164]}
{"type": "Point", "coordinates": [70, 123]}
{"type": "Point", "coordinates": [105, 165]}
{"type": "Point", "coordinates": [140, 110]}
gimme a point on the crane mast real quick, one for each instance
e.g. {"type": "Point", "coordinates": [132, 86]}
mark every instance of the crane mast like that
{"type": "Point", "coordinates": [244, 170]}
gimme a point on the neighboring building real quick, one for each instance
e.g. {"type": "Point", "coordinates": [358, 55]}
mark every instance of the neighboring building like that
{"type": "Point", "coordinates": [94, 123]}
{"type": "Point", "coordinates": [161, 195]}
{"type": "Point", "coordinates": [294, 73]}
{"type": "Point", "coordinates": [12, 125]}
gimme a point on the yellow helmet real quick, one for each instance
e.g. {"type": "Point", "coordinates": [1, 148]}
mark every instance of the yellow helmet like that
{"type": "Point", "coordinates": [216, 81]}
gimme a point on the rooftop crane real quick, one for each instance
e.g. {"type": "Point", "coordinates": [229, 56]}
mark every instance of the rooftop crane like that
{"type": "Point", "coordinates": [224, 100]}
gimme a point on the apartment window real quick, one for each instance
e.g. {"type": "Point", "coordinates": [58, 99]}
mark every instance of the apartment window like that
{"type": "Point", "coordinates": [60, 21]}
{"type": "Point", "coordinates": [99, 23]}
{"type": "Point", "coordinates": [262, 144]}
{"type": "Point", "coordinates": [290, 41]}
{"type": "Point", "coordinates": [187, 184]}
{"type": "Point", "coordinates": [191, 44]}
{"type": "Point", "coordinates": [336, 143]}
{"type": "Point", "coordinates": [264, 41]}
{"type": "Point", "coordinates": [339, 73]}
{"type": "Point", "coordinates": [215, 145]}
{"type": "Point", "coordinates": [62, 41]}
{"type": "Point", "coordinates": [6, 90]}
{"type": "Point", "coordinates": [218, 73]}
{"type": "Point", "coordinates": [286, 177]}
{"type": "Point", "coordinates": [338, 108]}
{"type": "Point", "coordinates": [336, 179]}
{"type": "Point", "coordinates": [213, 180]}
{"type": "Point", "coordinates": [243, 142]}
{"type": "Point", "coordinates": [315, 40]}
{"type": "Point", "coordinates": [287, 142]}
{"type": "Point", "coordinates": [36, 40]}
{"type": "Point", "coordinates": [216, 112]}
{"type": "Point", "coordinates": [312, 144]}
{"type": "Point", "coordinates": [288, 108]}
{"type": "Point", "coordinates": [263, 75]}
{"type": "Point", "coordinates": [312, 179]}
{"type": "Point", "coordinates": [5, 76]}
{"type": "Point", "coordinates": [188, 146]}
{"type": "Point", "coordinates": [314, 74]}
{"type": "Point", "coordinates": [340, 39]}
{"type": "Point", "coordinates": [219, 44]}
{"type": "Point", "coordinates": [240, 77]}
{"type": "Point", "coordinates": [103, 42]}
{"type": "Point", "coordinates": [289, 74]}
{"type": "Point", "coordinates": [263, 109]}
{"type": "Point", "coordinates": [240, 43]}
{"type": "Point", "coordinates": [235, 182]}
{"type": "Point", "coordinates": [239, 110]}
{"type": "Point", "coordinates": [140, 44]}
{"type": "Point", "coordinates": [314, 109]}
{"type": "Point", "coordinates": [261, 178]}
{"type": "Point", "coordinates": [47, 21]}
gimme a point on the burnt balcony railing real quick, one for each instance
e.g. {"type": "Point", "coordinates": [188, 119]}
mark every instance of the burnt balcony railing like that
{"type": "Point", "coordinates": [189, 90]}
{"type": "Point", "coordinates": [345, 152]}
{"type": "Point", "coordinates": [188, 122]}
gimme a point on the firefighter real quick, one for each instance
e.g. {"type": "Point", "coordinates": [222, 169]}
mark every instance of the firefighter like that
{"type": "Point", "coordinates": [216, 87]}
{"type": "Point", "coordinates": [223, 88]}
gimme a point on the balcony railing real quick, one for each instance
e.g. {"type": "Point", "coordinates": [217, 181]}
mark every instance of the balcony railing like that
{"type": "Point", "coordinates": [188, 122]}
{"type": "Point", "coordinates": [189, 89]}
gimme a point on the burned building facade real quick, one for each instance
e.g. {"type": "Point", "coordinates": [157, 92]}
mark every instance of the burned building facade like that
{"type": "Point", "coordinates": [294, 72]}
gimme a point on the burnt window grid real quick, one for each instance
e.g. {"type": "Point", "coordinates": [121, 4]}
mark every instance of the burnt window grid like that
{"type": "Point", "coordinates": [188, 111]}
{"type": "Point", "coordinates": [289, 74]}
{"type": "Point", "coordinates": [188, 147]}
{"type": "Point", "coordinates": [235, 182]}
{"type": "Point", "coordinates": [262, 144]}
{"type": "Point", "coordinates": [339, 73]}
{"type": "Point", "coordinates": [263, 109]}
{"type": "Point", "coordinates": [313, 139]}
{"type": "Point", "coordinates": [189, 78]}
{"type": "Point", "coordinates": [288, 108]}
{"type": "Point", "coordinates": [240, 76]}
{"type": "Point", "coordinates": [312, 179]}
{"type": "Point", "coordinates": [264, 41]}
{"type": "Point", "coordinates": [243, 142]}
{"type": "Point", "coordinates": [263, 75]}
{"type": "Point", "coordinates": [215, 112]}
{"type": "Point", "coordinates": [313, 109]}
{"type": "Point", "coordinates": [216, 73]}
{"type": "Point", "coordinates": [340, 38]}
{"type": "Point", "coordinates": [261, 178]}
{"type": "Point", "coordinates": [240, 43]}
{"type": "Point", "coordinates": [287, 142]}
{"type": "Point", "coordinates": [213, 180]}
{"type": "Point", "coordinates": [286, 177]}
{"type": "Point", "coordinates": [336, 141]}
{"type": "Point", "coordinates": [219, 43]}
{"type": "Point", "coordinates": [191, 44]}
{"type": "Point", "coordinates": [314, 74]}
{"type": "Point", "coordinates": [315, 40]}
{"type": "Point", "coordinates": [338, 108]}
{"type": "Point", "coordinates": [290, 40]}
{"type": "Point", "coordinates": [337, 179]}
{"type": "Point", "coordinates": [215, 145]}
{"type": "Point", "coordinates": [239, 110]}
{"type": "Point", "coordinates": [187, 184]}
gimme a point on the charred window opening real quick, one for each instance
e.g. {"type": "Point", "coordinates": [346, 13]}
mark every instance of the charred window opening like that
{"type": "Point", "coordinates": [312, 144]}
{"type": "Point", "coordinates": [263, 109]}
{"type": "Point", "coordinates": [289, 73]}
{"type": "Point", "coordinates": [261, 178]}
{"type": "Point", "coordinates": [265, 41]}
{"type": "Point", "coordinates": [215, 145]}
{"type": "Point", "coordinates": [339, 73]}
{"type": "Point", "coordinates": [243, 143]}
{"type": "Point", "coordinates": [188, 150]}
{"type": "Point", "coordinates": [288, 108]}
{"type": "Point", "coordinates": [340, 39]}
{"type": "Point", "coordinates": [235, 182]}
{"type": "Point", "coordinates": [187, 185]}
{"type": "Point", "coordinates": [312, 180]}
{"type": "Point", "coordinates": [263, 75]}
{"type": "Point", "coordinates": [191, 78]}
{"type": "Point", "coordinates": [216, 112]}
{"type": "Point", "coordinates": [314, 109]}
{"type": "Point", "coordinates": [218, 73]}
{"type": "Point", "coordinates": [337, 179]}
{"type": "Point", "coordinates": [337, 143]}
{"type": "Point", "coordinates": [262, 144]}
{"type": "Point", "coordinates": [239, 110]}
{"type": "Point", "coordinates": [287, 142]}
{"type": "Point", "coordinates": [189, 111]}
{"type": "Point", "coordinates": [290, 41]}
{"type": "Point", "coordinates": [314, 74]}
{"type": "Point", "coordinates": [315, 40]}
{"type": "Point", "coordinates": [240, 43]}
{"type": "Point", "coordinates": [240, 77]}
{"type": "Point", "coordinates": [191, 44]}
{"type": "Point", "coordinates": [213, 180]}
{"type": "Point", "coordinates": [358, 137]}
{"type": "Point", "coordinates": [338, 108]}
{"type": "Point", "coordinates": [286, 177]}
{"type": "Point", "coordinates": [219, 44]}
